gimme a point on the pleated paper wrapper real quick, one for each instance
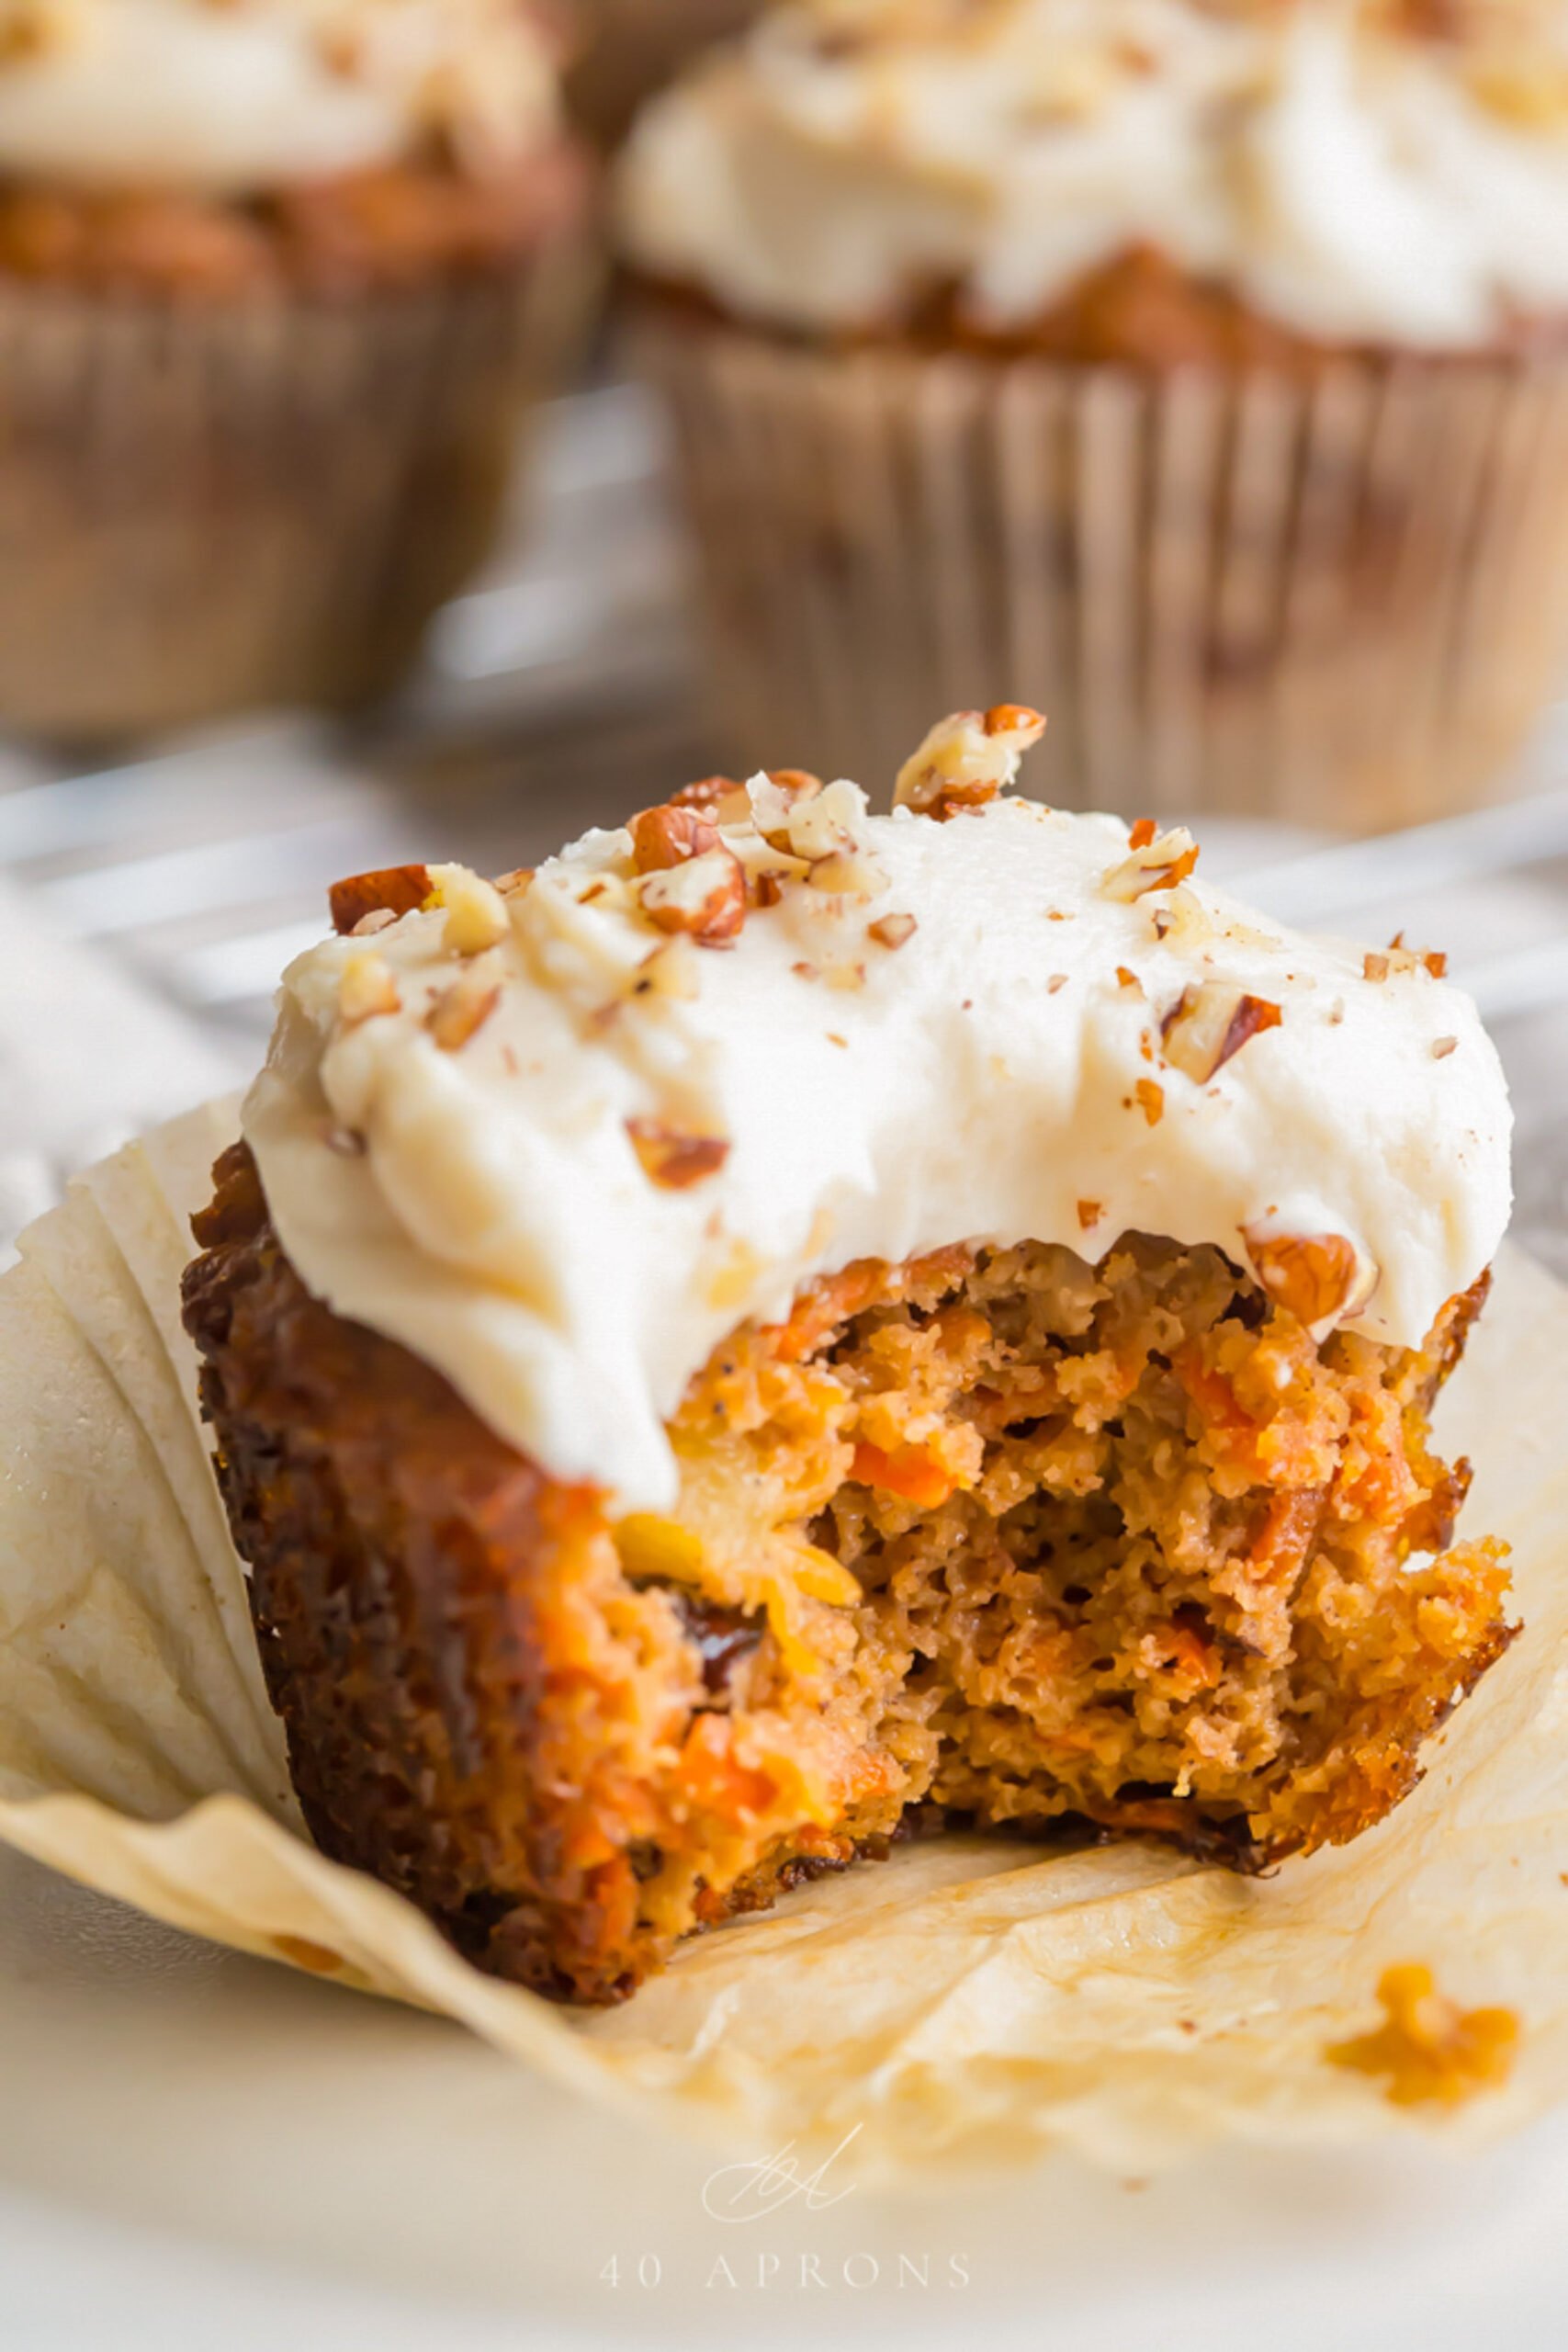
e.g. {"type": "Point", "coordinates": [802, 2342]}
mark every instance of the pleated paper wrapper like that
{"type": "Point", "coordinates": [966, 2004]}
{"type": "Point", "coordinates": [1339, 596]}
{"type": "Point", "coordinates": [207, 507]}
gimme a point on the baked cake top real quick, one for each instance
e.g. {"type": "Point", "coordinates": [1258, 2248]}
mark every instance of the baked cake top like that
{"type": "Point", "coordinates": [1384, 172]}
{"type": "Point", "coordinates": [560, 1135]}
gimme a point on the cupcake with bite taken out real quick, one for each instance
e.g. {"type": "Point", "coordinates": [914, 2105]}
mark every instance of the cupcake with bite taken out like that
{"type": "Point", "coordinates": [274, 278]}
{"type": "Point", "coordinates": [1194, 366]}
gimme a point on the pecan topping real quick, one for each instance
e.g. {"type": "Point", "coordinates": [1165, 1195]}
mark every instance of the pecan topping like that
{"type": "Point", "coordinates": [398, 890]}
{"type": "Point", "coordinates": [772, 800]}
{"type": "Point", "coordinates": [668, 836]}
{"type": "Point", "coordinates": [461, 1009]}
{"type": "Point", "coordinates": [1210, 1023]}
{"type": "Point", "coordinates": [892, 931]}
{"type": "Point", "coordinates": [1157, 863]}
{"type": "Point", "coordinates": [1312, 1275]}
{"type": "Point", "coordinates": [966, 760]}
{"type": "Point", "coordinates": [1151, 1100]}
{"type": "Point", "coordinates": [705, 897]}
{"type": "Point", "coordinates": [674, 1159]}
{"type": "Point", "coordinates": [475, 911]}
{"type": "Point", "coordinates": [706, 793]}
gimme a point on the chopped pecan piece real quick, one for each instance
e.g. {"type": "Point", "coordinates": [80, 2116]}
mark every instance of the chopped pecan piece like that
{"type": "Point", "coordinates": [673, 1159]}
{"type": "Point", "coordinates": [1158, 863]}
{"type": "Point", "coordinates": [1314, 1276]}
{"type": "Point", "coordinates": [461, 1009]}
{"type": "Point", "coordinates": [397, 889]}
{"type": "Point", "coordinates": [1208, 1023]}
{"type": "Point", "coordinates": [705, 897]}
{"type": "Point", "coordinates": [772, 800]}
{"type": "Point", "coordinates": [966, 760]}
{"type": "Point", "coordinates": [669, 836]}
{"type": "Point", "coordinates": [1151, 1100]}
{"type": "Point", "coordinates": [706, 793]}
{"type": "Point", "coordinates": [475, 911]}
{"type": "Point", "coordinates": [892, 931]}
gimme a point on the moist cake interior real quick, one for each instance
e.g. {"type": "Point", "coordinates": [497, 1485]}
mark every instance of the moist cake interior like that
{"type": "Point", "coordinates": [1001, 1536]}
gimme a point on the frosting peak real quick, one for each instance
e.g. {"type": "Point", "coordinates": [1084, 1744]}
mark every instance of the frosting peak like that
{"type": "Point", "coordinates": [1340, 166]}
{"type": "Point", "coordinates": [560, 1137]}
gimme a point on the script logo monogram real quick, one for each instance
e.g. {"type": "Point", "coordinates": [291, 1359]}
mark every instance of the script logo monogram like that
{"type": "Point", "coordinates": [749, 2192]}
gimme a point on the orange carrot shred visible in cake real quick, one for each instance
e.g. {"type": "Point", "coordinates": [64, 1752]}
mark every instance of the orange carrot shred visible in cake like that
{"type": "Point", "coordinates": [907, 1472]}
{"type": "Point", "coordinates": [1427, 2048]}
{"type": "Point", "coordinates": [712, 1777]}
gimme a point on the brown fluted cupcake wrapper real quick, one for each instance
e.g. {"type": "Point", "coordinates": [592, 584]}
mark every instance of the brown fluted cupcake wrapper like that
{"type": "Point", "coordinates": [1340, 598]}
{"type": "Point", "coordinates": [261, 501]}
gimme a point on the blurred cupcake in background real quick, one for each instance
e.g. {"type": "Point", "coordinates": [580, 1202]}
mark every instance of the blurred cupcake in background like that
{"type": "Point", "coordinates": [1195, 370]}
{"type": "Point", "coordinates": [625, 50]}
{"type": "Point", "coordinates": [274, 276]}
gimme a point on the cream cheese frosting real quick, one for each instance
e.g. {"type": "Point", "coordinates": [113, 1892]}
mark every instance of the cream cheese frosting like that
{"type": "Point", "coordinates": [558, 1149]}
{"type": "Point", "coordinates": [1352, 181]}
{"type": "Point", "coordinates": [224, 96]}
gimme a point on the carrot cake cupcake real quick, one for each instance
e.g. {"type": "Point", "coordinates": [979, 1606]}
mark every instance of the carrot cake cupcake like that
{"type": "Point", "coordinates": [788, 1323]}
{"type": "Point", "coordinates": [1196, 367]}
{"type": "Point", "coordinates": [273, 277]}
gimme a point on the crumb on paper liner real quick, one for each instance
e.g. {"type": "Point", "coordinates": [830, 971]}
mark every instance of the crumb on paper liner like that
{"type": "Point", "coordinates": [962, 2004]}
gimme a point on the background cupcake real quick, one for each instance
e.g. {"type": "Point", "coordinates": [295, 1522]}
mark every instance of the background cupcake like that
{"type": "Point", "coordinates": [625, 50]}
{"type": "Point", "coordinates": [1195, 368]}
{"type": "Point", "coordinates": [273, 275]}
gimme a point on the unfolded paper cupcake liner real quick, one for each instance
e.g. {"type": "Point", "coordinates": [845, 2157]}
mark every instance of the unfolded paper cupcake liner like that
{"type": "Point", "coordinates": [207, 507]}
{"type": "Point", "coordinates": [1341, 598]}
{"type": "Point", "coordinates": [964, 2005]}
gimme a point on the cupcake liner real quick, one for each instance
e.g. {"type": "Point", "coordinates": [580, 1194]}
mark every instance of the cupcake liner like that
{"type": "Point", "coordinates": [204, 508]}
{"type": "Point", "coordinates": [964, 2005]}
{"type": "Point", "coordinates": [1341, 598]}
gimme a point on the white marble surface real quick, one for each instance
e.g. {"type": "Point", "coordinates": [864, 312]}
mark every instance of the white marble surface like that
{"type": "Point", "coordinates": [202, 2151]}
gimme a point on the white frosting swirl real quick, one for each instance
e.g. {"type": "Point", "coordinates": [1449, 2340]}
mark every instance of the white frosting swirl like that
{"type": "Point", "coordinates": [991, 1076]}
{"type": "Point", "coordinates": [1353, 185]}
{"type": "Point", "coordinates": [221, 99]}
